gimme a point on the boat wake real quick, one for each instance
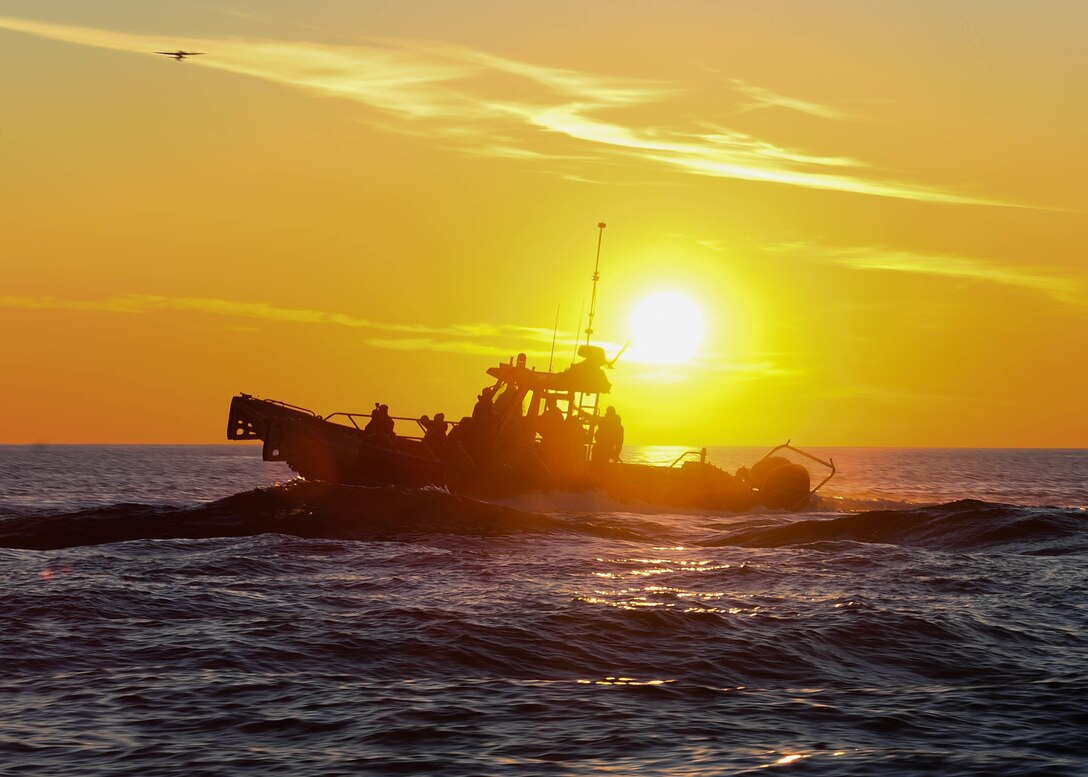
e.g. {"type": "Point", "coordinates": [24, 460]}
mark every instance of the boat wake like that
{"type": "Point", "coordinates": [319, 510]}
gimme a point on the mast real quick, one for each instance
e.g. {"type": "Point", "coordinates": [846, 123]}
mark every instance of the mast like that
{"type": "Point", "coordinates": [596, 277]}
{"type": "Point", "coordinates": [555, 334]}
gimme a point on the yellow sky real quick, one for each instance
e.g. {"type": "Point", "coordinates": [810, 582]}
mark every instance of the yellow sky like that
{"type": "Point", "coordinates": [879, 207]}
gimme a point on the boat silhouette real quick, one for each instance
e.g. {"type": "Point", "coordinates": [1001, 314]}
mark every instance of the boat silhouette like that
{"type": "Point", "coordinates": [531, 430]}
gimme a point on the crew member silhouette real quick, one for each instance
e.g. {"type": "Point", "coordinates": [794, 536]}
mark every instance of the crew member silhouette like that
{"type": "Point", "coordinates": [483, 410]}
{"type": "Point", "coordinates": [574, 437]}
{"type": "Point", "coordinates": [550, 424]}
{"type": "Point", "coordinates": [609, 437]}
{"type": "Point", "coordinates": [434, 431]}
{"type": "Point", "coordinates": [476, 433]}
{"type": "Point", "coordinates": [380, 424]}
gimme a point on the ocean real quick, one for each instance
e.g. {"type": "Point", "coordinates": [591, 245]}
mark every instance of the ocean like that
{"type": "Point", "coordinates": [192, 610]}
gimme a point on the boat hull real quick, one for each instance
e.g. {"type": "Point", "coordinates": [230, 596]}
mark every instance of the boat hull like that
{"type": "Point", "coordinates": [320, 449]}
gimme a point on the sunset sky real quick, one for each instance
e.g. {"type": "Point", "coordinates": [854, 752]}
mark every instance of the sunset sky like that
{"type": "Point", "coordinates": [879, 209]}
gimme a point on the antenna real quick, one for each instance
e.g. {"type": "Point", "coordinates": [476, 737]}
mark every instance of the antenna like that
{"type": "Point", "coordinates": [555, 333]}
{"type": "Point", "coordinates": [621, 353]}
{"type": "Point", "coordinates": [581, 313]}
{"type": "Point", "coordinates": [596, 277]}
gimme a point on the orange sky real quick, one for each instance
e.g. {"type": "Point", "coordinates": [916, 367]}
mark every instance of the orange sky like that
{"type": "Point", "coordinates": [879, 207]}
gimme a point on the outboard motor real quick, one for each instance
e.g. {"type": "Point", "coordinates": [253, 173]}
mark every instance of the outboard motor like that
{"type": "Point", "coordinates": [780, 482]}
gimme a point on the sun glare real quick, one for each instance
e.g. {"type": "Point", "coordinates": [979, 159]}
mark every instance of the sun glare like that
{"type": "Point", "coordinates": [666, 328]}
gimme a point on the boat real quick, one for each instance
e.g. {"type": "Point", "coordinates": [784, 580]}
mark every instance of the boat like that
{"type": "Point", "coordinates": [530, 431]}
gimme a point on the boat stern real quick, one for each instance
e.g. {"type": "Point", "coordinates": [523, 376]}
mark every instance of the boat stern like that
{"type": "Point", "coordinates": [245, 422]}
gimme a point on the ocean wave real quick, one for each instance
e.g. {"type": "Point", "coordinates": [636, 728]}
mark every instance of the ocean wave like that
{"type": "Point", "coordinates": [303, 509]}
{"type": "Point", "coordinates": [318, 510]}
{"type": "Point", "coordinates": [961, 525]}
{"type": "Point", "coordinates": [826, 503]}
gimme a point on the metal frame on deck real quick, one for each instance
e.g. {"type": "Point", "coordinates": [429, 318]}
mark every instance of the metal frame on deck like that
{"type": "Point", "coordinates": [830, 464]}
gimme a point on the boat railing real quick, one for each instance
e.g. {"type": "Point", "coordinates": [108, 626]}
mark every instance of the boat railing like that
{"type": "Point", "coordinates": [350, 416]}
{"type": "Point", "coordinates": [431, 452]}
{"type": "Point", "coordinates": [287, 405]}
{"type": "Point", "coordinates": [701, 453]}
{"type": "Point", "coordinates": [353, 416]}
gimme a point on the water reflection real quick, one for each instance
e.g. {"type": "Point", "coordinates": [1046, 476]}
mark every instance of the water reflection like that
{"type": "Point", "coordinates": [624, 681]}
{"type": "Point", "coordinates": [666, 596]}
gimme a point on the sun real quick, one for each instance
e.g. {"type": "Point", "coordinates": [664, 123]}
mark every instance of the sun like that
{"type": "Point", "coordinates": [666, 328]}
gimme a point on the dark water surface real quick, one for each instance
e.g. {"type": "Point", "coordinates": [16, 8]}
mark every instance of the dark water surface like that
{"type": "Point", "coordinates": [168, 610]}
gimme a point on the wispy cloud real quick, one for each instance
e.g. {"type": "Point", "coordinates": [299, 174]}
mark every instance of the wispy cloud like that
{"type": "Point", "coordinates": [475, 338]}
{"type": "Point", "coordinates": [486, 104]}
{"type": "Point", "coordinates": [765, 98]}
{"type": "Point", "coordinates": [1051, 284]}
{"type": "Point", "coordinates": [710, 367]}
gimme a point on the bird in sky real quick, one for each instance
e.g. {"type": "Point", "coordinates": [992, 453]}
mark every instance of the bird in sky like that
{"type": "Point", "coordinates": [179, 54]}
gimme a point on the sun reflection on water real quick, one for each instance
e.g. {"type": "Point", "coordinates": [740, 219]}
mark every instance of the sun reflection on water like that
{"type": "Point", "coordinates": [645, 567]}
{"type": "Point", "coordinates": [640, 599]}
{"type": "Point", "coordinates": [624, 681]}
{"type": "Point", "coordinates": [646, 591]}
{"type": "Point", "coordinates": [788, 759]}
